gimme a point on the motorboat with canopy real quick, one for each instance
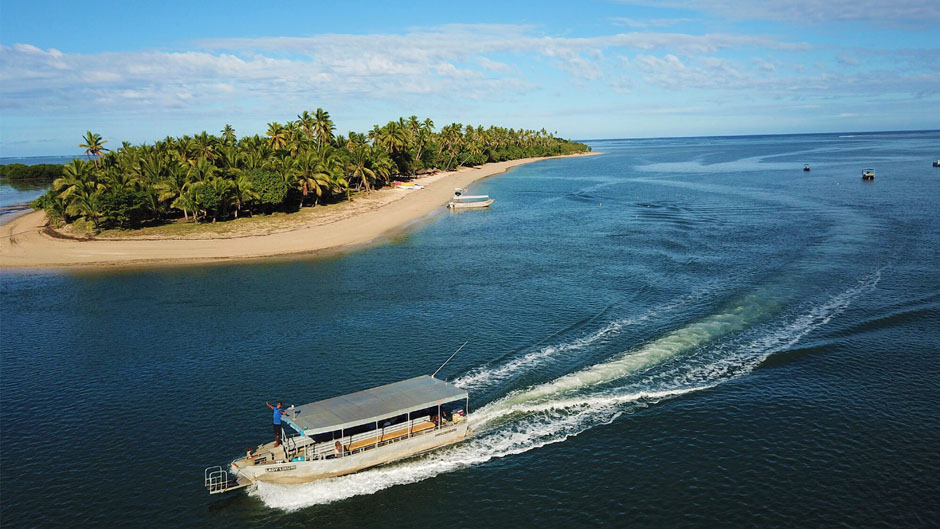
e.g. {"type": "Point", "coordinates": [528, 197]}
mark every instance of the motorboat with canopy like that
{"type": "Point", "coordinates": [353, 432]}
{"type": "Point", "coordinates": [462, 200]}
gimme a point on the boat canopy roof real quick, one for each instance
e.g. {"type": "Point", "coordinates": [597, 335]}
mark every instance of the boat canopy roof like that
{"type": "Point", "coordinates": [371, 405]}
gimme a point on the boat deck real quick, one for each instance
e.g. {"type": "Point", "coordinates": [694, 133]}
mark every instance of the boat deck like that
{"type": "Point", "coordinates": [268, 454]}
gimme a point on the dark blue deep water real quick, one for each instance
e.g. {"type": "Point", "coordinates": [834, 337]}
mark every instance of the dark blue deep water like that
{"type": "Point", "coordinates": [678, 333]}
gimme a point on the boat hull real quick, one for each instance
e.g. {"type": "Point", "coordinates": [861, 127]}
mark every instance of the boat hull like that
{"type": "Point", "coordinates": [288, 472]}
{"type": "Point", "coordinates": [470, 205]}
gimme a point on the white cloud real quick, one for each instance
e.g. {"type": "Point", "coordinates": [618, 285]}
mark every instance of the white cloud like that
{"type": "Point", "coordinates": [649, 22]}
{"type": "Point", "coordinates": [495, 66]}
{"type": "Point", "coordinates": [445, 67]}
{"type": "Point", "coordinates": [847, 60]}
{"type": "Point", "coordinates": [878, 12]}
{"type": "Point", "coordinates": [449, 61]}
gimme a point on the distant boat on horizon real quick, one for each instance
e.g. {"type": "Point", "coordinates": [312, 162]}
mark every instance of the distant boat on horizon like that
{"type": "Point", "coordinates": [868, 174]}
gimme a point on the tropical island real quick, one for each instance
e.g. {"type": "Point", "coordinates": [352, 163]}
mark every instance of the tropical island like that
{"type": "Point", "coordinates": [297, 189]}
{"type": "Point", "coordinates": [208, 178]}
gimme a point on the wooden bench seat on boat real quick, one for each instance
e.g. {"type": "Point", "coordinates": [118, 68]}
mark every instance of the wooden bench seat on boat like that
{"type": "Point", "coordinates": [391, 436]}
{"type": "Point", "coordinates": [422, 427]}
{"type": "Point", "coordinates": [362, 443]}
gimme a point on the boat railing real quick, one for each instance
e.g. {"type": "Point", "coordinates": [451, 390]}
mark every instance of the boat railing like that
{"type": "Point", "coordinates": [218, 480]}
{"type": "Point", "coordinates": [353, 444]}
{"type": "Point", "coordinates": [304, 446]}
{"type": "Point", "coordinates": [290, 445]}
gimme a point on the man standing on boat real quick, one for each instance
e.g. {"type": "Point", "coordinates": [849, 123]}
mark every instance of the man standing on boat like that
{"type": "Point", "coordinates": [277, 421]}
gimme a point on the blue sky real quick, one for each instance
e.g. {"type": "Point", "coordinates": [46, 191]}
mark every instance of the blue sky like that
{"type": "Point", "coordinates": [141, 71]}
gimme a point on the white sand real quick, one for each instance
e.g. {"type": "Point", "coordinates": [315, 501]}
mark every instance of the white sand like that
{"type": "Point", "coordinates": [23, 243]}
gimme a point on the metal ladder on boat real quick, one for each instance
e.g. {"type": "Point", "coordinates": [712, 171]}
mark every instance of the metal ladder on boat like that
{"type": "Point", "coordinates": [218, 480]}
{"type": "Point", "coordinates": [290, 446]}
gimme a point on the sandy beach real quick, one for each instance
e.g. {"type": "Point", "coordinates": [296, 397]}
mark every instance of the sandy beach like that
{"type": "Point", "coordinates": [25, 242]}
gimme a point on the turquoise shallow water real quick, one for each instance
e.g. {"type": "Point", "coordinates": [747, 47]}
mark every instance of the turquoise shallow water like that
{"type": "Point", "coordinates": [681, 332]}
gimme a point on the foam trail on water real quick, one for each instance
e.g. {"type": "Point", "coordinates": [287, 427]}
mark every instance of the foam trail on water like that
{"type": "Point", "coordinates": [525, 420]}
{"type": "Point", "coordinates": [742, 354]}
{"type": "Point", "coordinates": [542, 424]}
{"type": "Point", "coordinates": [739, 360]}
{"type": "Point", "coordinates": [736, 317]}
{"type": "Point", "coordinates": [484, 377]}
{"type": "Point", "coordinates": [488, 376]}
{"type": "Point", "coordinates": [552, 412]}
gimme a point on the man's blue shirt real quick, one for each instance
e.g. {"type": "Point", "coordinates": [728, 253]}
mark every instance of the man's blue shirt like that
{"type": "Point", "coordinates": [277, 416]}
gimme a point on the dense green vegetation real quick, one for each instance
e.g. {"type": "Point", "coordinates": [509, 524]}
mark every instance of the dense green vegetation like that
{"type": "Point", "coordinates": [302, 163]}
{"type": "Point", "coordinates": [43, 171]}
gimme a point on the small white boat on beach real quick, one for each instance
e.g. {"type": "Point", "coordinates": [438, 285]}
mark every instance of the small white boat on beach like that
{"type": "Point", "coordinates": [353, 432]}
{"type": "Point", "coordinates": [462, 201]}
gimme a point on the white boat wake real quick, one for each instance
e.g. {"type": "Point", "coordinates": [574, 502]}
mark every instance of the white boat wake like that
{"type": "Point", "coordinates": [699, 356]}
{"type": "Point", "coordinates": [492, 375]}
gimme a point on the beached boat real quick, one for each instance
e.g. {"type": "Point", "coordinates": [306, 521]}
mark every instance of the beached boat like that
{"type": "Point", "coordinates": [806, 167]}
{"type": "Point", "coordinates": [353, 432]}
{"type": "Point", "coordinates": [868, 174]}
{"type": "Point", "coordinates": [461, 201]}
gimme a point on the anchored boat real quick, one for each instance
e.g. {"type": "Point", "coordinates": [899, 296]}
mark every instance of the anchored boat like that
{"type": "Point", "coordinates": [461, 200]}
{"type": "Point", "coordinates": [868, 174]}
{"type": "Point", "coordinates": [353, 432]}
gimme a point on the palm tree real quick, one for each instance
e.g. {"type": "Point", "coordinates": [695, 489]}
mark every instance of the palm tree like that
{"type": "Point", "coordinates": [356, 140]}
{"type": "Point", "coordinates": [203, 170]}
{"type": "Point", "coordinates": [206, 174]}
{"type": "Point", "coordinates": [323, 129]}
{"type": "Point", "coordinates": [421, 135]}
{"type": "Point", "coordinates": [310, 176]}
{"type": "Point", "coordinates": [94, 146]}
{"type": "Point", "coordinates": [174, 187]}
{"type": "Point", "coordinates": [451, 139]}
{"type": "Point", "coordinates": [358, 168]}
{"type": "Point", "coordinates": [243, 192]}
{"type": "Point", "coordinates": [251, 160]}
{"type": "Point", "coordinates": [187, 200]}
{"type": "Point", "coordinates": [382, 165]}
{"type": "Point", "coordinates": [188, 150]}
{"type": "Point", "coordinates": [228, 135]}
{"type": "Point", "coordinates": [214, 196]}
{"type": "Point", "coordinates": [118, 180]}
{"type": "Point", "coordinates": [85, 202]}
{"type": "Point", "coordinates": [278, 135]}
{"type": "Point", "coordinates": [307, 123]}
{"type": "Point", "coordinates": [205, 146]}
{"type": "Point", "coordinates": [150, 168]}
{"type": "Point", "coordinates": [77, 174]}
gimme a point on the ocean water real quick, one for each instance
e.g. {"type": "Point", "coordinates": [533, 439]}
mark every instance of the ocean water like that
{"type": "Point", "coordinates": [36, 160]}
{"type": "Point", "coordinates": [678, 333]}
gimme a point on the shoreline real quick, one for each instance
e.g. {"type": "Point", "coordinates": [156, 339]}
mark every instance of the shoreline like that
{"type": "Point", "coordinates": [25, 243]}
